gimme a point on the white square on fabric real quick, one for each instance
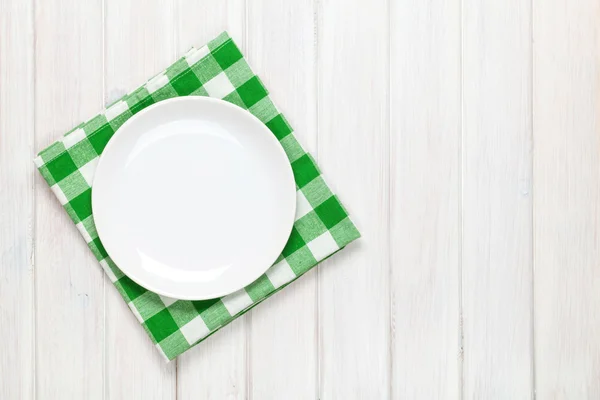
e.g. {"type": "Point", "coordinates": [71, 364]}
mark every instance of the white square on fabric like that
{"type": "Point", "coordinates": [115, 110]}
{"type": "Point", "coordinates": [108, 271]}
{"type": "Point", "coordinates": [236, 301]}
{"type": "Point", "coordinates": [219, 86]}
{"type": "Point", "coordinates": [160, 350]}
{"type": "Point", "coordinates": [323, 246]}
{"type": "Point", "coordinates": [194, 56]}
{"type": "Point", "coordinates": [135, 312]}
{"type": "Point", "coordinates": [88, 170]}
{"type": "Point", "coordinates": [167, 300]}
{"type": "Point", "coordinates": [195, 330]}
{"type": "Point", "coordinates": [59, 194]}
{"type": "Point", "coordinates": [73, 138]}
{"type": "Point", "coordinates": [303, 207]}
{"type": "Point", "coordinates": [280, 274]}
{"type": "Point", "coordinates": [156, 83]}
{"type": "Point", "coordinates": [84, 232]}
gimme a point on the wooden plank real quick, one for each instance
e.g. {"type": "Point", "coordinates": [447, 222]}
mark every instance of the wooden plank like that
{"type": "Point", "coordinates": [69, 280]}
{"type": "Point", "coordinates": [353, 149]}
{"type": "Point", "coordinates": [566, 102]}
{"type": "Point", "coordinates": [139, 43]}
{"type": "Point", "coordinates": [217, 367]}
{"type": "Point", "coordinates": [497, 202]}
{"type": "Point", "coordinates": [16, 199]}
{"type": "Point", "coordinates": [283, 340]}
{"type": "Point", "coordinates": [425, 207]}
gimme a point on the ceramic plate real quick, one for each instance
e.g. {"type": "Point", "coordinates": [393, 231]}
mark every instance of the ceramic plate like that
{"type": "Point", "coordinates": [193, 198]}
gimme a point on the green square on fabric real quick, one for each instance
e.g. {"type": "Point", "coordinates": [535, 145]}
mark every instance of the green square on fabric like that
{"type": "Point", "coordinates": [216, 316]}
{"type": "Point", "coordinates": [98, 249]}
{"type": "Point", "coordinates": [294, 243]}
{"type": "Point", "coordinates": [165, 92]}
{"type": "Point", "coordinates": [214, 44]}
{"type": "Point", "coordinates": [310, 226]}
{"type": "Point", "coordinates": [148, 304]}
{"type": "Point", "coordinates": [292, 148]}
{"type": "Point", "coordinates": [202, 305]}
{"type": "Point", "coordinates": [301, 261]}
{"type": "Point", "coordinates": [252, 91]}
{"type": "Point", "coordinates": [331, 212]}
{"type": "Point", "coordinates": [113, 267]}
{"type": "Point", "coordinates": [161, 325]}
{"type": "Point", "coordinates": [120, 120]}
{"type": "Point", "coordinates": [73, 185]}
{"type": "Point", "coordinates": [206, 69]}
{"type": "Point", "coordinates": [47, 175]}
{"type": "Point", "coordinates": [260, 288]}
{"type": "Point", "coordinates": [279, 127]}
{"type": "Point", "coordinates": [174, 345]}
{"type": "Point", "coordinates": [61, 167]}
{"type": "Point", "coordinates": [316, 191]}
{"type": "Point", "coordinates": [99, 139]}
{"type": "Point", "coordinates": [72, 213]}
{"type": "Point", "coordinates": [129, 289]}
{"type": "Point", "coordinates": [199, 92]}
{"type": "Point", "coordinates": [186, 83]}
{"type": "Point", "coordinates": [139, 100]}
{"type": "Point", "coordinates": [305, 170]}
{"type": "Point", "coordinates": [239, 73]}
{"type": "Point", "coordinates": [90, 227]}
{"type": "Point", "coordinates": [94, 124]}
{"type": "Point", "coordinates": [235, 98]}
{"type": "Point", "coordinates": [177, 69]}
{"type": "Point", "coordinates": [52, 151]}
{"type": "Point", "coordinates": [82, 204]}
{"type": "Point", "coordinates": [183, 312]}
{"type": "Point", "coordinates": [344, 232]}
{"type": "Point", "coordinates": [264, 110]}
{"type": "Point", "coordinates": [227, 54]}
{"type": "Point", "coordinates": [82, 153]}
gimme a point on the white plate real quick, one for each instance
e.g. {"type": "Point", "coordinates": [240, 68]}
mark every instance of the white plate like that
{"type": "Point", "coordinates": [193, 198]}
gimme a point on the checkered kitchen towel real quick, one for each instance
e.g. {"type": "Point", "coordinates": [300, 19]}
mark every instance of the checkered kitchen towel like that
{"type": "Point", "coordinates": [219, 70]}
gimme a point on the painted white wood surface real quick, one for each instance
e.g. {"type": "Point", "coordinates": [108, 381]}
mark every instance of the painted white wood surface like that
{"type": "Point", "coordinates": [566, 190]}
{"type": "Point", "coordinates": [461, 135]}
{"type": "Point", "coordinates": [497, 200]}
{"type": "Point", "coordinates": [17, 324]}
{"type": "Point", "coordinates": [353, 149]}
{"type": "Point", "coordinates": [425, 192]}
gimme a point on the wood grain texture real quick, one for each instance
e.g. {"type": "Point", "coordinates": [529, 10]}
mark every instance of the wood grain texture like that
{"type": "Point", "coordinates": [283, 335]}
{"type": "Point", "coordinates": [497, 259]}
{"type": "Point", "coordinates": [139, 43]}
{"type": "Point", "coordinates": [425, 221]}
{"type": "Point", "coordinates": [69, 281]}
{"type": "Point", "coordinates": [353, 149]}
{"type": "Point", "coordinates": [17, 323]}
{"type": "Point", "coordinates": [566, 102]}
{"type": "Point", "coordinates": [217, 368]}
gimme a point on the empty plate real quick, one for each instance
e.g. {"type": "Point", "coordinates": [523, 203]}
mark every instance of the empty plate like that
{"type": "Point", "coordinates": [193, 198]}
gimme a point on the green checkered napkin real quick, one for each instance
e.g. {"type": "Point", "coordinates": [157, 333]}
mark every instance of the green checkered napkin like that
{"type": "Point", "coordinates": [219, 70]}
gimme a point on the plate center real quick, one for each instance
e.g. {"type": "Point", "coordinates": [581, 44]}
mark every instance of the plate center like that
{"type": "Point", "coordinates": [192, 175]}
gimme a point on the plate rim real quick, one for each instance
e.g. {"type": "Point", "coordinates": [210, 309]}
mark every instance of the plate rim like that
{"type": "Point", "coordinates": [278, 147]}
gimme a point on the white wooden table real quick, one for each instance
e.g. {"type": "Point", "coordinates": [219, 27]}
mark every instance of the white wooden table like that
{"type": "Point", "coordinates": [462, 135]}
